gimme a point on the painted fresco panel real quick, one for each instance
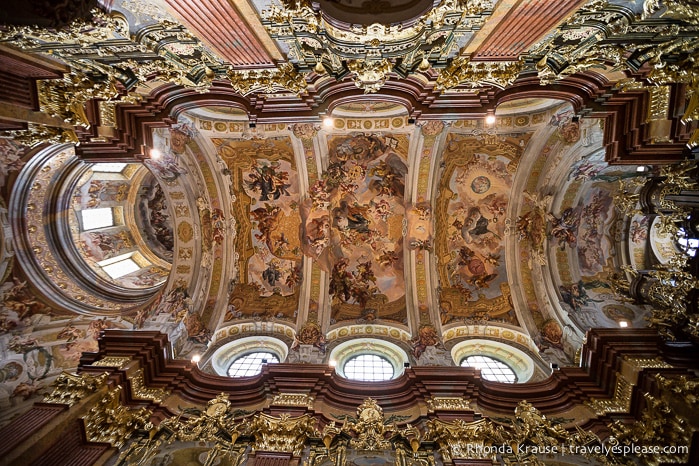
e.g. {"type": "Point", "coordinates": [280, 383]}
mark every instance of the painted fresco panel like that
{"type": "Point", "coordinates": [154, 219]}
{"type": "Point", "coordinates": [100, 245]}
{"type": "Point", "coordinates": [266, 190]}
{"type": "Point", "coordinates": [593, 227]}
{"type": "Point", "coordinates": [354, 226]}
{"type": "Point", "coordinates": [473, 198]}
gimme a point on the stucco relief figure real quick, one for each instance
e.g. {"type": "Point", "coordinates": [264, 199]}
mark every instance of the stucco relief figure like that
{"type": "Point", "coordinates": [310, 334]}
{"type": "Point", "coordinates": [180, 135]}
{"type": "Point", "coordinates": [426, 336]}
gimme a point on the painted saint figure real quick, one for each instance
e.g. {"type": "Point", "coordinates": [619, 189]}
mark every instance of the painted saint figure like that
{"type": "Point", "coordinates": [269, 182]}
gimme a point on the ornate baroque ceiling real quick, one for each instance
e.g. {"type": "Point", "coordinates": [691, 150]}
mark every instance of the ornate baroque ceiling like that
{"type": "Point", "coordinates": [409, 217]}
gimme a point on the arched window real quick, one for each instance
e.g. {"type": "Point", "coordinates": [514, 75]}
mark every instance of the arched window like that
{"type": "Point", "coordinates": [368, 367]}
{"type": "Point", "coordinates": [498, 361]}
{"type": "Point", "coordinates": [491, 368]}
{"type": "Point", "coordinates": [97, 218]}
{"type": "Point", "coordinates": [251, 363]}
{"type": "Point", "coordinates": [244, 357]}
{"type": "Point", "coordinates": [368, 360]}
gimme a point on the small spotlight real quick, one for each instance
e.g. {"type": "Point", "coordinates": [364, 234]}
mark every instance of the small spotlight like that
{"type": "Point", "coordinates": [490, 119]}
{"type": "Point", "coordinates": [155, 154]}
{"type": "Point", "coordinates": [411, 121]}
{"type": "Point", "coordinates": [623, 324]}
{"type": "Point", "coordinates": [554, 366]}
{"type": "Point", "coordinates": [196, 358]}
{"type": "Point", "coordinates": [575, 119]}
{"type": "Point", "coordinates": [264, 361]}
{"type": "Point", "coordinates": [253, 125]}
{"type": "Point", "coordinates": [332, 363]}
{"type": "Point", "coordinates": [328, 122]}
{"type": "Point", "coordinates": [406, 364]}
{"type": "Point", "coordinates": [641, 169]}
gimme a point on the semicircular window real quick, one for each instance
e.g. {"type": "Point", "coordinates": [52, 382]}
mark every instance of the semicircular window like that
{"type": "Point", "coordinates": [251, 363]}
{"type": "Point", "coordinates": [491, 368]}
{"type": "Point", "coordinates": [368, 368]}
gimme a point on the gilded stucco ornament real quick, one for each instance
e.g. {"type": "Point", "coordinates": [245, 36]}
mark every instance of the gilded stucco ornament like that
{"type": "Point", "coordinates": [95, 50]}
{"type": "Point", "coordinates": [659, 425]}
{"type": "Point", "coordinates": [267, 80]}
{"type": "Point", "coordinates": [369, 430]}
{"type": "Point", "coordinates": [139, 390]}
{"type": "Point", "coordinates": [462, 70]}
{"type": "Point", "coordinates": [40, 134]}
{"type": "Point", "coordinates": [448, 403]}
{"type": "Point", "coordinates": [669, 287]}
{"type": "Point", "coordinates": [70, 388]}
{"type": "Point", "coordinates": [595, 37]}
{"type": "Point", "coordinates": [521, 442]}
{"type": "Point", "coordinates": [281, 434]}
{"type": "Point", "coordinates": [215, 424]}
{"type": "Point", "coordinates": [370, 75]}
{"type": "Point", "coordinates": [110, 422]}
{"type": "Point", "coordinates": [370, 52]}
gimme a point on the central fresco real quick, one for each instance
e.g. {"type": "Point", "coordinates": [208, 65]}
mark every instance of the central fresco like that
{"type": "Point", "coordinates": [354, 226]}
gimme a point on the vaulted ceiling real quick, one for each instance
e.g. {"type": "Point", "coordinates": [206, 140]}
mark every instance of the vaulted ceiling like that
{"type": "Point", "coordinates": [408, 216]}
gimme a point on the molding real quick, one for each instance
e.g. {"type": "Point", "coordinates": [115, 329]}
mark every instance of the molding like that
{"type": "Point", "coordinates": [568, 387]}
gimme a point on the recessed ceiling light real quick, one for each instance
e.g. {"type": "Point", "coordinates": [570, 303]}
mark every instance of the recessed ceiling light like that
{"type": "Point", "coordinates": [328, 122]}
{"type": "Point", "coordinates": [155, 154]}
{"type": "Point", "coordinates": [490, 119]}
{"type": "Point", "coordinates": [623, 324]}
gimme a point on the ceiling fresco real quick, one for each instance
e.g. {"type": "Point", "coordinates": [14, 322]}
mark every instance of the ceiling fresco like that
{"type": "Point", "coordinates": [474, 193]}
{"type": "Point", "coordinates": [409, 219]}
{"type": "Point", "coordinates": [266, 204]}
{"type": "Point", "coordinates": [153, 218]}
{"type": "Point", "coordinates": [331, 228]}
{"type": "Point", "coordinates": [588, 241]}
{"type": "Point", "coordinates": [363, 190]}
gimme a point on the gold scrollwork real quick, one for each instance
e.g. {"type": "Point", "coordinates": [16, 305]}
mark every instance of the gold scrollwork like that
{"type": "Point", "coordinates": [268, 80]}
{"type": "Point", "coordinates": [462, 70]}
{"type": "Point", "coordinates": [293, 399]}
{"type": "Point", "coordinates": [140, 391]}
{"type": "Point", "coordinates": [370, 75]}
{"type": "Point", "coordinates": [281, 434]}
{"type": "Point", "coordinates": [112, 361]}
{"type": "Point", "coordinates": [620, 401]}
{"type": "Point", "coordinates": [659, 425]}
{"type": "Point", "coordinates": [112, 423]}
{"type": "Point", "coordinates": [518, 444]}
{"type": "Point", "coordinates": [70, 388]}
{"type": "Point", "coordinates": [448, 403]}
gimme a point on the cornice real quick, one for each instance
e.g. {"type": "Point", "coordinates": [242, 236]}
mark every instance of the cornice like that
{"type": "Point", "coordinates": [566, 388]}
{"type": "Point", "coordinates": [627, 135]}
